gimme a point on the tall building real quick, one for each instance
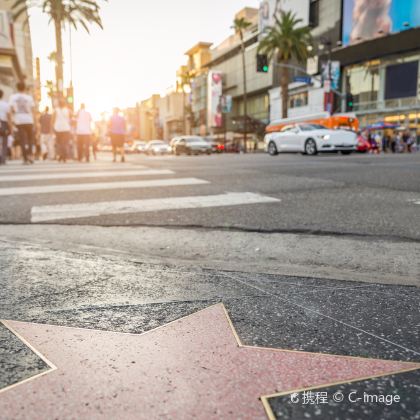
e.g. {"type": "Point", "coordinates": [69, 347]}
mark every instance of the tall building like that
{"type": "Point", "coordinates": [226, 61]}
{"type": "Point", "coordinates": [15, 50]}
{"type": "Point", "coordinates": [380, 59]}
{"type": "Point", "coordinates": [372, 52]}
{"type": "Point", "coordinates": [198, 58]}
{"type": "Point", "coordinates": [171, 114]}
{"type": "Point", "coordinates": [149, 128]}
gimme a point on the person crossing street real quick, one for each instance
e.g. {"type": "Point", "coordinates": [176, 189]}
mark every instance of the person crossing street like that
{"type": "Point", "coordinates": [84, 133]}
{"type": "Point", "coordinates": [22, 107]}
{"type": "Point", "coordinates": [117, 132]}
{"type": "Point", "coordinates": [62, 128]}
{"type": "Point", "coordinates": [47, 137]}
{"type": "Point", "coordinates": [4, 128]}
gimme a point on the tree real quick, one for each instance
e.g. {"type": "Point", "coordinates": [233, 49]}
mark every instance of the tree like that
{"type": "Point", "coordinates": [240, 25]}
{"type": "Point", "coordinates": [185, 83]}
{"type": "Point", "coordinates": [74, 12]}
{"type": "Point", "coordinates": [286, 41]}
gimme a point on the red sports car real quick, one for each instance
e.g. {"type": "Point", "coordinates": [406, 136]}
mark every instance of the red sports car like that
{"type": "Point", "coordinates": [363, 145]}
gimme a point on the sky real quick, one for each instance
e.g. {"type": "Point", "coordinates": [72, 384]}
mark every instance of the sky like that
{"type": "Point", "coordinates": [138, 52]}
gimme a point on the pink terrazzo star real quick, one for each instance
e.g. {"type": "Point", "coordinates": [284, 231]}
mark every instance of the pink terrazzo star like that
{"type": "Point", "coordinates": [194, 367]}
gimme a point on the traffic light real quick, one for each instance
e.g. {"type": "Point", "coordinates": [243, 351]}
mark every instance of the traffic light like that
{"type": "Point", "coordinates": [349, 102]}
{"type": "Point", "coordinates": [70, 96]}
{"type": "Point", "coordinates": [262, 63]}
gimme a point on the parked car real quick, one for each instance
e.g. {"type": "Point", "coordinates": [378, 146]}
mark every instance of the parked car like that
{"type": "Point", "coordinates": [216, 145]}
{"type": "Point", "coordinates": [139, 146]}
{"type": "Point", "coordinates": [158, 147]}
{"type": "Point", "coordinates": [310, 139]}
{"type": "Point", "coordinates": [191, 145]}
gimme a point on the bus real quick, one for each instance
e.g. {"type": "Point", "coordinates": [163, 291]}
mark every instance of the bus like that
{"type": "Point", "coordinates": [346, 121]}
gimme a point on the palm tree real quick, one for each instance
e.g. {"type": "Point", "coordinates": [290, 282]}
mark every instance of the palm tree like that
{"type": "Point", "coordinates": [240, 25]}
{"type": "Point", "coordinates": [185, 82]}
{"type": "Point", "coordinates": [73, 12]}
{"type": "Point", "coordinates": [286, 41]}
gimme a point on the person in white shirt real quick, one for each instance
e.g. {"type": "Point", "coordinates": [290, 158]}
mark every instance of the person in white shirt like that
{"type": "Point", "coordinates": [22, 107]}
{"type": "Point", "coordinates": [84, 133]}
{"type": "Point", "coordinates": [62, 128]}
{"type": "Point", "coordinates": [4, 128]}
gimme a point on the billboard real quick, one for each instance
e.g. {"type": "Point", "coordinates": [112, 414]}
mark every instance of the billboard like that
{"type": "Point", "coordinates": [271, 8]}
{"type": "Point", "coordinates": [214, 99]}
{"type": "Point", "coordinates": [227, 104]}
{"type": "Point", "coordinates": [367, 19]}
{"type": "Point", "coordinates": [331, 70]}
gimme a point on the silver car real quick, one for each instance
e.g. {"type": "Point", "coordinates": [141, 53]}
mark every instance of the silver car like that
{"type": "Point", "coordinates": [157, 147]}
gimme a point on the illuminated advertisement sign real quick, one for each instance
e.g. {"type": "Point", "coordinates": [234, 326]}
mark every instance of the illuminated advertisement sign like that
{"type": "Point", "coordinates": [367, 19]}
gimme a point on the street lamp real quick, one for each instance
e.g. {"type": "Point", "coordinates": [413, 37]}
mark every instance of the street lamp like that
{"type": "Point", "coordinates": [326, 43]}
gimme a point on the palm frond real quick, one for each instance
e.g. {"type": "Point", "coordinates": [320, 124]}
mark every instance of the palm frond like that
{"type": "Point", "coordinates": [285, 39]}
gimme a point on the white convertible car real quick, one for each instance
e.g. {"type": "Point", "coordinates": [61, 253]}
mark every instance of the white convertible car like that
{"type": "Point", "coordinates": [310, 139]}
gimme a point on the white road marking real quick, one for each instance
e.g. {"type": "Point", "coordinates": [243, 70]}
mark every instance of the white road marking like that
{"type": "Point", "coordinates": [63, 175]}
{"type": "Point", "coordinates": [6, 170]}
{"type": "Point", "coordinates": [101, 186]}
{"type": "Point", "coordinates": [17, 163]}
{"type": "Point", "coordinates": [73, 211]}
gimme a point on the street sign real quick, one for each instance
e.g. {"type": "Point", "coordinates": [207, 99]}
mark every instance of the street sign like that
{"type": "Point", "coordinates": [303, 79]}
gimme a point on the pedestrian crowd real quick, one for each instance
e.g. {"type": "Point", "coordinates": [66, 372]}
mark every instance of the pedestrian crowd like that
{"type": "Point", "coordinates": [390, 141]}
{"type": "Point", "coordinates": [59, 135]}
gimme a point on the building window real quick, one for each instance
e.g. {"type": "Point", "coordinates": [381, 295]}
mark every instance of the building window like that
{"type": "Point", "coordinates": [297, 100]}
{"type": "Point", "coordinates": [362, 81]}
{"type": "Point", "coordinates": [314, 13]}
{"type": "Point", "coordinates": [401, 80]}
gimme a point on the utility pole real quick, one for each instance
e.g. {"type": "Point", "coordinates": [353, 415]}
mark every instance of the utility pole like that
{"type": "Point", "coordinates": [245, 96]}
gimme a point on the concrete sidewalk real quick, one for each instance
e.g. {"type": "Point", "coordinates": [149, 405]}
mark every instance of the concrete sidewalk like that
{"type": "Point", "coordinates": [343, 258]}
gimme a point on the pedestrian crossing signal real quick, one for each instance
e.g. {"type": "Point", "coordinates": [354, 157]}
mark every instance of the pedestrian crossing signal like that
{"type": "Point", "coordinates": [262, 63]}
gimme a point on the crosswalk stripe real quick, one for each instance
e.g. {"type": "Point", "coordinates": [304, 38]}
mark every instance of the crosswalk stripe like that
{"type": "Point", "coordinates": [61, 188]}
{"type": "Point", "coordinates": [37, 177]}
{"type": "Point", "coordinates": [6, 170]}
{"type": "Point", "coordinates": [19, 162]}
{"type": "Point", "coordinates": [72, 211]}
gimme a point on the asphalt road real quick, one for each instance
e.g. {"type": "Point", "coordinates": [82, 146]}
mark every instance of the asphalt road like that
{"type": "Point", "coordinates": [315, 255]}
{"type": "Point", "coordinates": [356, 195]}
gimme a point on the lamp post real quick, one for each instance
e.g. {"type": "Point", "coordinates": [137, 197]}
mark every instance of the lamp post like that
{"type": "Point", "coordinates": [326, 44]}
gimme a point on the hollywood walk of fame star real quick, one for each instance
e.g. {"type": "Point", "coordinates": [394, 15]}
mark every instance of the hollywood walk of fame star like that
{"type": "Point", "coordinates": [194, 367]}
